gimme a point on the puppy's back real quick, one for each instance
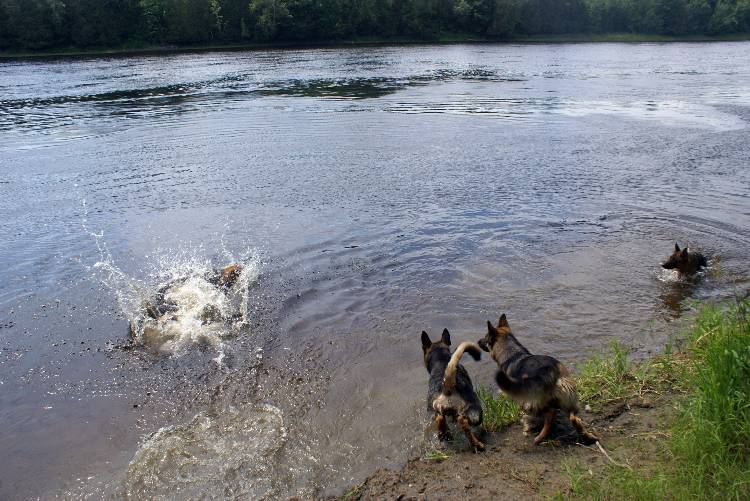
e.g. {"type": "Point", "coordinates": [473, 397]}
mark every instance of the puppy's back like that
{"type": "Point", "coordinates": [539, 369]}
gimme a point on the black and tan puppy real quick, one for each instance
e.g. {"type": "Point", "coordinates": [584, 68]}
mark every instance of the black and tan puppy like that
{"type": "Point", "coordinates": [536, 382]}
{"type": "Point", "coordinates": [451, 393]}
{"type": "Point", "coordinates": [684, 261]}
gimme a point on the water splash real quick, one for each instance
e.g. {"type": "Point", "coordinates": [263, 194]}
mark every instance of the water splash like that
{"type": "Point", "coordinates": [217, 454]}
{"type": "Point", "coordinates": [202, 314]}
{"type": "Point", "coordinates": [668, 276]}
{"type": "Point", "coordinates": [675, 277]}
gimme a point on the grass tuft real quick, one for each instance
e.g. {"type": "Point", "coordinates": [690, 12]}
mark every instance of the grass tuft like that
{"type": "Point", "coordinates": [706, 454]}
{"type": "Point", "coordinates": [436, 456]}
{"type": "Point", "coordinates": [613, 378]}
{"type": "Point", "coordinates": [352, 494]}
{"type": "Point", "coordinates": [712, 435]}
{"type": "Point", "coordinates": [499, 410]}
{"type": "Point", "coordinates": [606, 379]}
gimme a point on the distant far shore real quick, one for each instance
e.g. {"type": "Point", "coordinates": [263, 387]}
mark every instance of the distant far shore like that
{"type": "Point", "coordinates": [368, 41]}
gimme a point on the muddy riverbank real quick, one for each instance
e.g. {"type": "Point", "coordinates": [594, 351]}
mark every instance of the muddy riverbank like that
{"type": "Point", "coordinates": [514, 468]}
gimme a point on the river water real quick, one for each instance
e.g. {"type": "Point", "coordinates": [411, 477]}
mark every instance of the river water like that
{"type": "Point", "coordinates": [371, 193]}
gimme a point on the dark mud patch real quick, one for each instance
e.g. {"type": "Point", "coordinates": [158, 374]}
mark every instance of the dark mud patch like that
{"type": "Point", "coordinates": [513, 468]}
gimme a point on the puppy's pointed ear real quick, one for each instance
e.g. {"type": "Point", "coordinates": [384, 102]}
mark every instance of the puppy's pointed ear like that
{"type": "Point", "coordinates": [446, 337]}
{"type": "Point", "coordinates": [426, 343]}
{"type": "Point", "coordinates": [491, 333]}
{"type": "Point", "coordinates": [676, 248]}
{"type": "Point", "coordinates": [503, 322]}
{"type": "Point", "coordinates": [685, 252]}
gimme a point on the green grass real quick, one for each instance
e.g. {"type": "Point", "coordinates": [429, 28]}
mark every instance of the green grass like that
{"type": "Point", "coordinates": [499, 410]}
{"type": "Point", "coordinates": [712, 435]}
{"type": "Point", "coordinates": [706, 452]}
{"type": "Point", "coordinates": [605, 379]}
{"type": "Point", "coordinates": [436, 456]}
{"type": "Point", "coordinates": [352, 494]}
{"type": "Point", "coordinates": [609, 378]}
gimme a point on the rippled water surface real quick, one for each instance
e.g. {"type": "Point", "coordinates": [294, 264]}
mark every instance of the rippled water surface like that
{"type": "Point", "coordinates": [377, 192]}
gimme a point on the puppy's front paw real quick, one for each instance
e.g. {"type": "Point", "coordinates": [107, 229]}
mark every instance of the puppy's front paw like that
{"type": "Point", "coordinates": [479, 446]}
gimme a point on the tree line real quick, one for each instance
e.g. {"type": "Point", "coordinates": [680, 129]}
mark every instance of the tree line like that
{"type": "Point", "coordinates": [47, 24]}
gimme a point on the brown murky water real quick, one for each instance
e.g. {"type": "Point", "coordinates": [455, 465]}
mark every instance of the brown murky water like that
{"type": "Point", "coordinates": [377, 192]}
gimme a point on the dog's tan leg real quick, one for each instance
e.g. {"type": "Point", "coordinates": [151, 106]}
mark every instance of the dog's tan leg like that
{"type": "Point", "coordinates": [473, 440]}
{"type": "Point", "coordinates": [549, 417]}
{"type": "Point", "coordinates": [578, 424]}
{"type": "Point", "coordinates": [442, 427]}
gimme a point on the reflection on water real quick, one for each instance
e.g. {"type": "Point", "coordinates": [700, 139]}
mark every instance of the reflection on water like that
{"type": "Point", "coordinates": [389, 190]}
{"type": "Point", "coordinates": [362, 88]}
{"type": "Point", "coordinates": [487, 80]}
{"type": "Point", "coordinates": [677, 290]}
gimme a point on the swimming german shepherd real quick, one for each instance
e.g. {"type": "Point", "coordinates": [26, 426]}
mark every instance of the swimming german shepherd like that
{"type": "Point", "coordinates": [450, 392]}
{"type": "Point", "coordinates": [684, 261]}
{"type": "Point", "coordinates": [538, 383]}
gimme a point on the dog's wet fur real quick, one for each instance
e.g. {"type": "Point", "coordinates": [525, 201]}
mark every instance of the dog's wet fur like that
{"type": "Point", "coordinates": [162, 309]}
{"type": "Point", "coordinates": [685, 261]}
{"type": "Point", "coordinates": [538, 383]}
{"type": "Point", "coordinates": [450, 391]}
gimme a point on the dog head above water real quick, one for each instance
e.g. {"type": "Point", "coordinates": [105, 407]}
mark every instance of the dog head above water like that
{"type": "Point", "coordinates": [428, 347]}
{"type": "Point", "coordinates": [684, 261]}
{"type": "Point", "coordinates": [494, 333]}
{"type": "Point", "coordinates": [677, 258]}
{"type": "Point", "coordinates": [229, 275]}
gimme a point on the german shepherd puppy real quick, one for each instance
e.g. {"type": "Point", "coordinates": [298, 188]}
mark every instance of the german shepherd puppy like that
{"type": "Point", "coordinates": [536, 382]}
{"type": "Point", "coordinates": [160, 308]}
{"type": "Point", "coordinates": [684, 261]}
{"type": "Point", "coordinates": [450, 392]}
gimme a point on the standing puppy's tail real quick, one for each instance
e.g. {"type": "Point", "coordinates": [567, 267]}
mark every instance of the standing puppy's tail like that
{"type": "Point", "coordinates": [449, 381]}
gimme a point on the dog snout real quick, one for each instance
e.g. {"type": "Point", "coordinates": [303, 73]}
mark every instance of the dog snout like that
{"type": "Point", "coordinates": [482, 344]}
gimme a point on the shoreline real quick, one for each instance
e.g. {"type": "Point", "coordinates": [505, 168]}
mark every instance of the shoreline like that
{"type": "Point", "coordinates": [365, 42]}
{"type": "Point", "coordinates": [650, 417]}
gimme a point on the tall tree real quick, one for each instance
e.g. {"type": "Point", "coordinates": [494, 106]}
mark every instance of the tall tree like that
{"type": "Point", "coordinates": [724, 19]}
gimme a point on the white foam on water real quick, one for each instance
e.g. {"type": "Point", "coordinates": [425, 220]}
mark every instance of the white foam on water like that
{"type": "Point", "coordinates": [674, 277]}
{"type": "Point", "coordinates": [204, 314]}
{"type": "Point", "coordinates": [193, 298]}
{"type": "Point", "coordinates": [225, 454]}
{"type": "Point", "coordinates": [668, 276]}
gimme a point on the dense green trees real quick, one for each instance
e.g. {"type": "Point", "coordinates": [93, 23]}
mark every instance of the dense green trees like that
{"type": "Point", "coordinates": [41, 24]}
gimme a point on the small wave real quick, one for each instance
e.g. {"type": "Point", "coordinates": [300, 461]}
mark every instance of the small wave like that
{"type": "Point", "coordinates": [225, 454]}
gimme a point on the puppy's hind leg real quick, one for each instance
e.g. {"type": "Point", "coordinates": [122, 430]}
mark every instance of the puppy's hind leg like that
{"type": "Point", "coordinates": [473, 440]}
{"type": "Point", "coordinates": [549, 417]}
{"type": "Point", "coordinates": [578, 424]}
{"type": "Point", "coordinates": [531, 422]}
{"type": "Point", "coordinates": [442, 427]}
